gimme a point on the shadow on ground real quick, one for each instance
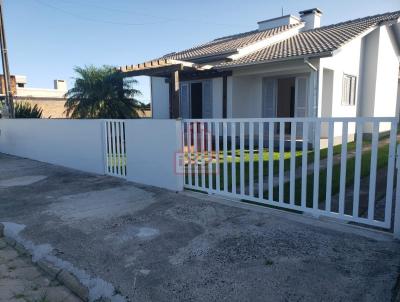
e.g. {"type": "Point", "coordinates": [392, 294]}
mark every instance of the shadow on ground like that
{"type": "Point", "coordinates": [156, 245]}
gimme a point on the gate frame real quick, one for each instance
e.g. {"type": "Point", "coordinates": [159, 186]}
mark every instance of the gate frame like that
{"type": "Point", "coordinates": [309, 136]}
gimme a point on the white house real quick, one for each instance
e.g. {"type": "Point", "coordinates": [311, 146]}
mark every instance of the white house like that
{"type": "Point", "coordinates": [288, 67]}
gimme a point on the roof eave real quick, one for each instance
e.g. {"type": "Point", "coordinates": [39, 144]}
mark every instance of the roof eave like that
{"type": "Point", "coordinates": [210, 58]}
{"type": "Point", "coordinates": [320, 55]}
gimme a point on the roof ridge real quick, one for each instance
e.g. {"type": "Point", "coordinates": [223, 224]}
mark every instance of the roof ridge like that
{"type": "Point", "coordinates": [321, 41]}
{"type": "Point", "coordinates": [353, 21]}
{"type": "Point", "coordinates": [248, 38]}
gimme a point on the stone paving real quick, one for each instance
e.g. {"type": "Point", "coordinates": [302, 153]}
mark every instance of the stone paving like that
{"type": "Point", "coordinates": [21, 281]}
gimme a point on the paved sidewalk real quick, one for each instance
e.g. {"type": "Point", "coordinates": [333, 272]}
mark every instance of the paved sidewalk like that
{"type": "Point", "coordinates": [138, 243]}
{"type": "Point", "coordinates": [21, 281]}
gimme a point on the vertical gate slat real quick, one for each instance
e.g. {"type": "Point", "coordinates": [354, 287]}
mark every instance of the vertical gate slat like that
{"type": "Point", "coordinates": [390, 174]}
{"type": "Point", "coordinates": [203, 162]}
{"type": "Point", "coordinates": [123, 153]}
{"type": "Point", "coordinates": [184, 150]}
{"type": "Point", "coordinates": [118, 146]}
{"type": "Point", "coordinates": [292, 182]}
{"type": "Point", "coordinates": [233, 150]}
{"type": "Point", "coordinates": [195, 153]}
{"type": "Point", "coordinates": [317, 144]}
{"type": "Point", "coordinates": [189, 152]}
{"type": "Point", "coordinates": [251, 159]}
{"type": "Point", "coordinates": [260, 160]}
{"type": "Point", "coordinates": [372, 178]}
{"type": "Point", "coordinates": [357, 171]}
{"type": "Point", "coordinates": [113, 135]}
{"type": "Point", "coordinates": [281, 160]}
{"type": "Point", "coordinates": [109, 167]}
{"type": "Point", "coordinates": [209, 157]}
{"type": "Point", "coordinates": [243, 136]}
{"type": "Point", "coordinates": [242, 192]}
{"type": "Point", "coordinates": [271, 162]}
{"type": "Point", "coordinates": [328, 197]}
{"type": "Point", "coordinates": [304, 166]}
{"type": "Point", "coordinates": [225, 146]}
{"type": "Point", "coordinates": [343, 166]}
{"type": "Point", "coordinates": [217, 164]}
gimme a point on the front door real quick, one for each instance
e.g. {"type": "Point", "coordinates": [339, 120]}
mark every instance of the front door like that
{"type": "Point", "coordinates": [286, 97]}
{"type": "Point", "coordinates": [196, 96]}
{"type": "Point", "coordinates": [196, 99]}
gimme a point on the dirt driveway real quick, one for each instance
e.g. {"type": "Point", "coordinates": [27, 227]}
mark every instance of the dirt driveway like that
{"type": "Point", "coordinates": [137, 243]}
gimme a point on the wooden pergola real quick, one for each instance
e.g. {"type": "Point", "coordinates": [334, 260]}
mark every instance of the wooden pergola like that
{"type": "Point", "coordinates": [176, 71]}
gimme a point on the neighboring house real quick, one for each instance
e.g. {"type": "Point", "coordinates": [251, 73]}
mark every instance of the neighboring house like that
{"type": "Point", "coordinates": [52, 101]}
{"type": "Point", "coordinates": [288, 67]}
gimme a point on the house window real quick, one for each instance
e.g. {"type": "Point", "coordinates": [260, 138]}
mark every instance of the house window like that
{"type": "Point", "coordinates": [349, 90]}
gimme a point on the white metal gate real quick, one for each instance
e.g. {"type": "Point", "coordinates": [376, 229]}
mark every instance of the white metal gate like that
{"type": "Point", "coordinates": [336, 167]}
{"type": "Point", "coordinates": [115, 148]}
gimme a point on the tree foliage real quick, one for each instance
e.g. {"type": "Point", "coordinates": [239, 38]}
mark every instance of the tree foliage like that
{"type": "Point", "coordinates": [102, 92]}
{"type": "Point", "coordinates": [26, 110]}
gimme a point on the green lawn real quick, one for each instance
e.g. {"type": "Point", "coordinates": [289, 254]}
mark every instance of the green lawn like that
{"type": "Point", "coordinates": [266, 159]}
{"type": "Point", "coordinates": [115, 161]}
{"type": "Point", "coordinates": [382, 161]}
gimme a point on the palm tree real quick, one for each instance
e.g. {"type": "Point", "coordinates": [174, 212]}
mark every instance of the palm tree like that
{"type": "Point", "coordinates": [102, 92]}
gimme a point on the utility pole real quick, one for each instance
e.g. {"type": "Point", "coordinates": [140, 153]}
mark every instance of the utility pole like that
{"type": "Point", "coordinates": [6, 70]}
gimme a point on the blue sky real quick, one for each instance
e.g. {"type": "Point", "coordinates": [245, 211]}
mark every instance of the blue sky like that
{"type": "Point", "coordinates": [47, 38]}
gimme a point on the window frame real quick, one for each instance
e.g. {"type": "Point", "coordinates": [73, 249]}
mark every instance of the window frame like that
{"type": "Point", "coordinates": [349, 90]}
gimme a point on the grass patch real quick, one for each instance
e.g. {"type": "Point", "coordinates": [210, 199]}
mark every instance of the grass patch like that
{"type": "Point", "coordinates": [256, 157]}
{"type": "Point", "coordinates": [382, 161]}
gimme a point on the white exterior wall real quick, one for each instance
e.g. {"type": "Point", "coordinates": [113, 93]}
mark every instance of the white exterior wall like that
{"type": "Point", "coordinates": [380, 70]}
{"type": "Point", "coordinates": [374, 61]}
{"type": "Point", "coordinates": [41, 93]}
{"type": "Point", "coordinates": [398, 99]}
{"type": "Point", "coordinates": [152, 152]}
{"type": "Point", "coordinates": [347, 61]}
{"type": "Point", "coordinates": [159, 98]}
{"type": "Point", "coordinates": [217, 95]}
{"type": "Point", "coordinates": [246, 86]}
{"type": "Point", "coordinates": [272, 23]}
{"type": "Point", "coordinates": [229, 96]}
{"type": "Point", "coordinates": [59, 91]}
{"type": "Point", "coordinates": [387, 75]}
{"type": "Point", "coordinates": [246, 96]}
{"type": "Point", "coordinates": [76, 144]}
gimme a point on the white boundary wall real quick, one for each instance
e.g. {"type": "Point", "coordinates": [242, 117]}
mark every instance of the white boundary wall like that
{"type": "Point", "coordinates": [151, 150]}
{"type": "Point", "coordinates": [76, 144]}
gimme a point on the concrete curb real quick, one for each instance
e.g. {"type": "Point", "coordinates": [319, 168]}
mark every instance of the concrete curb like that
{"type": "Point", "coordinates": [67, 279]}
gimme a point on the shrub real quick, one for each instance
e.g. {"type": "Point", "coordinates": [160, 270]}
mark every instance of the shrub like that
{"type": "Point", "coordinates": [26, 110]}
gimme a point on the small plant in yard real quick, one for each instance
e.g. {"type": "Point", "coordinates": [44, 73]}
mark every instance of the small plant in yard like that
{"type": "Point", "coordinates": [43, 298]}
{"type": "Point", "coordinates": [11, 268]}
{"type": "Point", "coordinates": [18, 296]}
{"type": "Point", "coordinates": [268, 262]}
{"type": "Point", "coordinates": [26, 110]}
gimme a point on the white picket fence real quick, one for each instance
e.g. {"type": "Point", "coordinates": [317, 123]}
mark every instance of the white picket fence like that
{"type": "Point", "coordinates": [230, 157]}
{"type": "Point", "coordinates": [115, 148]}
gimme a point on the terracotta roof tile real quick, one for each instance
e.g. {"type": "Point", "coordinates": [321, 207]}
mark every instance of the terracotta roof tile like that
{"type": "Point", "coordinates": [228, 44]}
{"type": "Point", "coordinates": [315, 41]}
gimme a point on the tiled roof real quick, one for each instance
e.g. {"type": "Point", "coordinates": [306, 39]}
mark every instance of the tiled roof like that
{"type": "Point", "coordinates": [228, 44]}
{"type": "Point", "coordinates": [316, 41]}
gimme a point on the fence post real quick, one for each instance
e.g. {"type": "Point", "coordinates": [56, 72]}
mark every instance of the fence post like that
{"type": "Point", "coordinates": [396, 228]}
